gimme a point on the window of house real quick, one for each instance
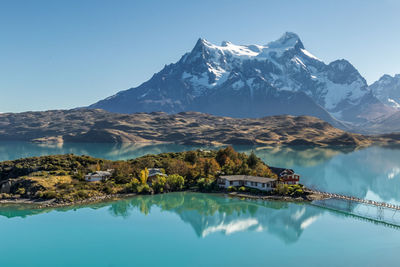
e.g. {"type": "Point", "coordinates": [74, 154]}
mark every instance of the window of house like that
{"type": "Point", "coordinates": [230, 183]}
{"type": "Point", "coordinates": [263, 185]}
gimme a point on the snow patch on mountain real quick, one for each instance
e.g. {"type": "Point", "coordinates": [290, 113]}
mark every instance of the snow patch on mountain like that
{"type": "Point", "coordinates": [387, 90]}
{"type": "Point", "coordinates": [248, 74]}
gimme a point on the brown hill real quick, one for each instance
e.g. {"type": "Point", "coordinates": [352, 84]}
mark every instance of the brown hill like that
{"type": "Point", "coordinates": [93, 125]}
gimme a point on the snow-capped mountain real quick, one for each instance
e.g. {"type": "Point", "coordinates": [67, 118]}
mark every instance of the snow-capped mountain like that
{"type": "Point", "coordinates": [281, 77]}
{"type": "Point", "coordinates": [387, 90]}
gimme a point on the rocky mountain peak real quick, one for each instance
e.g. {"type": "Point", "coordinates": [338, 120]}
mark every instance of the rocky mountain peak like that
{"type": "Point", "coordinates": [250, 81]}
{"type": "Point", "coordinates": [288, 39]}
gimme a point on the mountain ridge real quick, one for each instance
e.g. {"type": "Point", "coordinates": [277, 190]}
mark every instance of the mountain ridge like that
{"type": "Point", "coordinates": [249, 79]}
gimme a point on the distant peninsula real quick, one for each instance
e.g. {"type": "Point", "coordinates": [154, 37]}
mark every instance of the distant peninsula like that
{"type": "Point", "coordinates": [188, 128]}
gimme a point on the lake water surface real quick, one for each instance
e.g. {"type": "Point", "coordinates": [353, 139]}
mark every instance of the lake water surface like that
{"type": "Point", "coordinates": [189, 229]}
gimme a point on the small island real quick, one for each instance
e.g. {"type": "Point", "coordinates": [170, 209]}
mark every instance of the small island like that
{"type": "Point", "coordinates": [60, 180]}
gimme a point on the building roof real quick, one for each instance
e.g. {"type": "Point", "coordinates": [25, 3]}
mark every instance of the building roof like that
{"type": "Point", "coordinates": [278, 171]}
{"type": "Point", "coordinates": [100, 173]}
{"type": "Point", "coordinates": [247, 178]}
{"type": "Point", "coordinates": [155, 171]}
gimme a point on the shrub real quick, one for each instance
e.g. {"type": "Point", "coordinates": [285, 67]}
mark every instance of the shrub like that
{"type": "Point", "coordinates": [158, 184]}
{"type": "Point", "coordinates": [242, 189]}
{"type": "Point", "coordinates": [254, 191]}
{"type": "Point", "coordinates": [175, 182]}
{"type": "Point", "coordinates": [144, 189]}
{"type": "Point", "coordinates": [63, 185]}
{"type": "Point", "coordinates": [20, 191]}
{"type": "Point", "coordinates": [39, 194]}
{"type": "Point", "coordinates": [282, 189]}
{"type": "Point", "coordinates": [289, 190]}
{"type": "Point", "coordinates": [134, 185]}
{"type": "Point", "coordinates": [298, 192]}
{"type": "Point", "coordinates": [191, 156]}
{"type": "Point", "coordinates": [232, 189]}
{"type": "Point", "coordinates": [79, 176]}
{"type": "Point", "coordinates": [4, 196]}
{"type": "Point", "coordinates": [82, 194]}
{"type": "Point", "coordinates": [49, 194]}
{"type": "Point", "coordinates": [108, 189]}
{"type": "Point", "coordinates": [207, 185]}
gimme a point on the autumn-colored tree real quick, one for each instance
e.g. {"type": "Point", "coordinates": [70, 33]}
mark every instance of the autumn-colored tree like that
{"type": "Point", "coordinates": [176, 166]}
{"type": "Point", "coordinates": [122, 172]}
{"type": "Point", "coordinates": [144, 175]}
{"type": "Point", "coordinates": [225, 153]}
{"type": "Point", "coordinates": [229, 167]}
{"type": "Point", "coordinates": [211, 167]}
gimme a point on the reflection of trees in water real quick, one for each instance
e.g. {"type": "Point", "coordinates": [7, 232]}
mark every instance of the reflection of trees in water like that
{"type": "Point", "coordinates": [203, 204]}
{"type": "Point", "coordinates": [208, 213]}
{"type": "Point", "coordinates": [13, 150]}
{"type": "Point", "coordinates": [299, 156]}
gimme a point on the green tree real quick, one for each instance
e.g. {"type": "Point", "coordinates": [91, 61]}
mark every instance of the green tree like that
{"type": "Point", "coordinates": [252, 160]}
{"type": "Point", "coordinates": [158, 184]}
{"type": "Point", "coordinates": [175, 182]}
{"type": "Point", "coordinates": [191, 156]}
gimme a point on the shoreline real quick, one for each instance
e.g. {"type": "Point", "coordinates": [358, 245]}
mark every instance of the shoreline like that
{"type": "Point", "coordinates": [53, 203]}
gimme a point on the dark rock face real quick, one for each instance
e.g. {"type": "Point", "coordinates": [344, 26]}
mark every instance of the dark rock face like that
{"type": "Point", "coordinates": [252, 81]}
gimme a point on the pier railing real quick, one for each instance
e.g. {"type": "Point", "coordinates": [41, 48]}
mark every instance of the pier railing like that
{"type": "Point", "coordinates": [356, 199]}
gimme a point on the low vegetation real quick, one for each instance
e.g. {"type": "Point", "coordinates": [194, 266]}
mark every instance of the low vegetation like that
{"type": "Point", "coordinates": [62, 177]}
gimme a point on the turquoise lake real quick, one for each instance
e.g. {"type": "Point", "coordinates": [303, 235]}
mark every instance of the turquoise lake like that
{"type": "Point", "coordinates": [191, 229]}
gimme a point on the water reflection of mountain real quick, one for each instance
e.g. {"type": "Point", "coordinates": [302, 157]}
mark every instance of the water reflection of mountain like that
{"type": "Point", "coordinates": [372, 173]}
{"type": "Point", "coordinates": [26, 210]}
{"type": "Point", "coordinates": [209, 214]}
{"type": "Point", "coordinates": [14, 150]}
{"type": "Point", "coordinates": [369, 173]}
{"type": "Point", "coordinates": [299, 155]}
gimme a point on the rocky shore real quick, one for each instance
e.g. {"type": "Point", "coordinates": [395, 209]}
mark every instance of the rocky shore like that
{"type": "Point", "coordinates": [307, 197]}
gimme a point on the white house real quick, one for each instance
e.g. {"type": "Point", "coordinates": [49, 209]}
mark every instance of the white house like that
{"type": "Point", "coordinates": [98, 176]}
{"type": "Point", "coordinates": [262, 183]}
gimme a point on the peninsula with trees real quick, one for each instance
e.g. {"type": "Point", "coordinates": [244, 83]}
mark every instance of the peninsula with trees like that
{"type": "Point", "coordinates": [59, 180]}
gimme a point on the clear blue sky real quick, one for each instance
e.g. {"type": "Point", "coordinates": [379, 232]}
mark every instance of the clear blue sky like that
{"type": "Point", "coordinates": [64, 54]}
